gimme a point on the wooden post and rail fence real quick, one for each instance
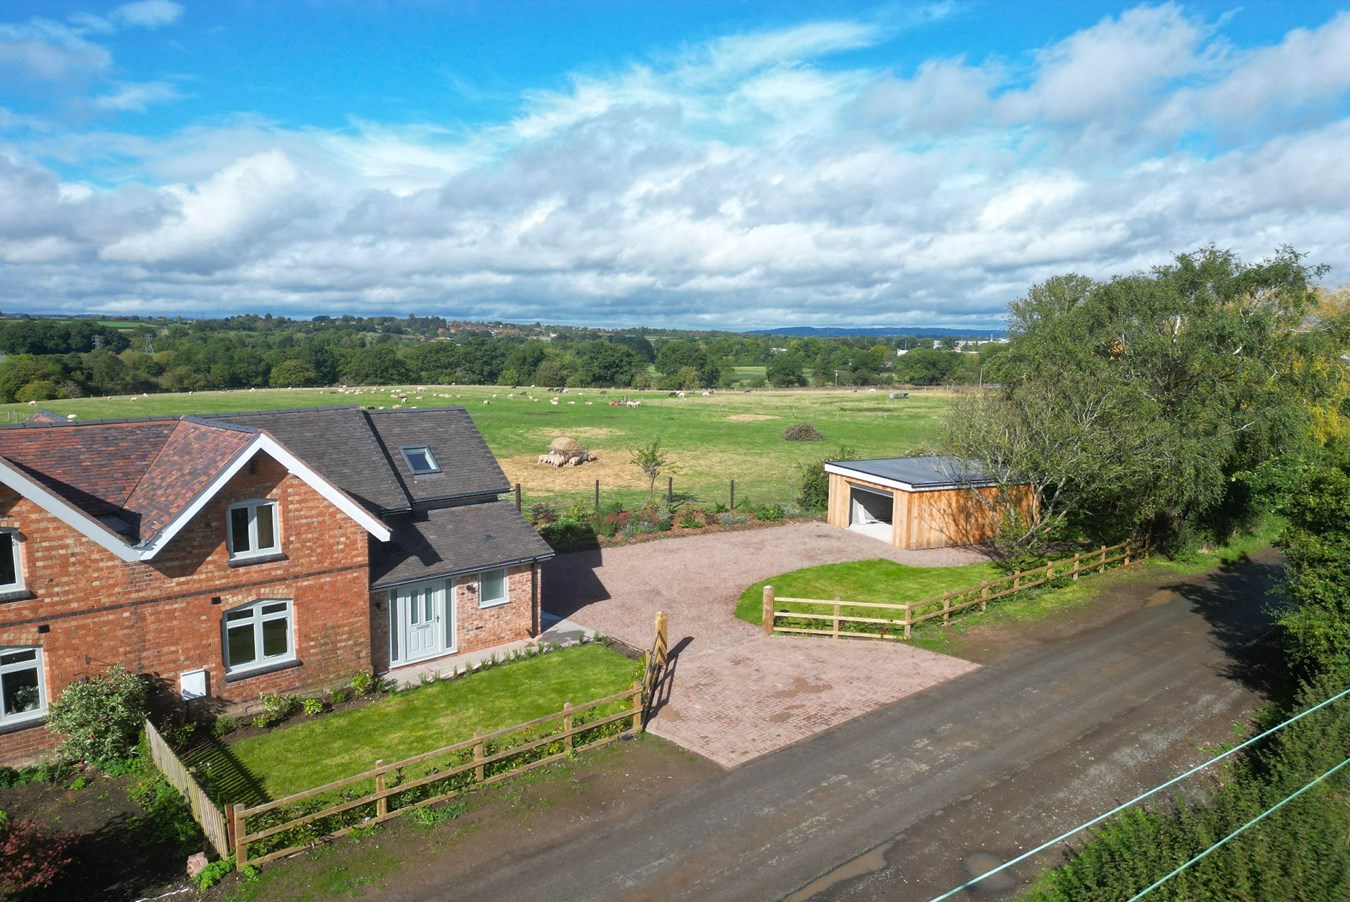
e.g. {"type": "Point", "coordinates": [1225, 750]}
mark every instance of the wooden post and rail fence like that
{"type": "Point", "coordinates": [462, 766]}
{"type": "Point", "coordinates": [896, 620]}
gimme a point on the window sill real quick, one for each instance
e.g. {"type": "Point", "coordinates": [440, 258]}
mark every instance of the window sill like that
{"type": "Point", "coordinates": [264, 669]}
{"type": "Point", "coordinates": [257, 559]}
{"type": "Point", "coordinates": [17, 725]}
{"type": "Point", "coordinates": [15, 595]}
{"type": "Point", "coordinates": [484, 605]}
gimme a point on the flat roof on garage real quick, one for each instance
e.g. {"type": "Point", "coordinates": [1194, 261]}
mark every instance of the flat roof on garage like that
{"type": "Point", "coordinates": [926, 473]}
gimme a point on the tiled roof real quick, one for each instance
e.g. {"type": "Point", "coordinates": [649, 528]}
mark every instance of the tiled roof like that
{"type": "Point", "coordinates": [139, 477]}
{"type": "Point", "coordinates": [94, 467]}
{"type": "Point", "coordinates": [450, 540]}
{"type": "Point", "coordinates": [339, 443]}
{"type": "Point", "coordinates": [467, 467]}
{"type": "Point", "coordinates": [191, 457]}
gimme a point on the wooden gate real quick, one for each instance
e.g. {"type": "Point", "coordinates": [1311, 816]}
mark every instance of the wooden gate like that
{"type": "Point", "coordinates": [656, 666]}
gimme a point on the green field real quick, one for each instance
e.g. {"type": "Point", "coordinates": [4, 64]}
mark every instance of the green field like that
{"type": "Point", "coordinates": [711, 440]}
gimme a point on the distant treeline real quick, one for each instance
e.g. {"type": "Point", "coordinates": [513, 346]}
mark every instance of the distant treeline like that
{"type": "Point", "coordinates": [56, 358]}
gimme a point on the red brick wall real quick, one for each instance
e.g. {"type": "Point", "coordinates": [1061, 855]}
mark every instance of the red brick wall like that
{"type": "Point", "coordinates": [475, 628]}
{"type": "Point", "coordinates": [158, 617]}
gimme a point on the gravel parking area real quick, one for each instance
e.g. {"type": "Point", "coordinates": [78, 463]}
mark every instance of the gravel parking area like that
{"type": "Point", "coordinates": [734, 694]}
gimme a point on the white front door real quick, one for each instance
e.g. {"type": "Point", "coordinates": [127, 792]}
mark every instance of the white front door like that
{"type": "Point", "coordinates": [422, 623]}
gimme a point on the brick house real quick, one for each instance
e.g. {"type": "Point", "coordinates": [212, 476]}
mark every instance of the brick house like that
{"type": "Point", "coordinates": [237, 555]}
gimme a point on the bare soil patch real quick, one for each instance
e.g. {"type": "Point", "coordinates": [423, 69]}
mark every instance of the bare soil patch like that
{"type": "Point", "coordinates": [612, 468]}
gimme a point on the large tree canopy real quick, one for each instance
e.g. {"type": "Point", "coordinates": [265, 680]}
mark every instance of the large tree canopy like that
{"type": "Point", "coordinates": [1132, 405]}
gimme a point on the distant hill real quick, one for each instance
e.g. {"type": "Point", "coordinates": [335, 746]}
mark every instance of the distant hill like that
{"type": "Point", "coordinates": [876, 332]}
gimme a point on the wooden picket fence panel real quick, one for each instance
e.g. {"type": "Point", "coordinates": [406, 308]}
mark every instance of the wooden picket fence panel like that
{"type": "Point", "coordinates": [239, 815]}
{"type": "Point", "coordinates": [897, 620]}
{"type": "Point", "coordinates": [204, 811]}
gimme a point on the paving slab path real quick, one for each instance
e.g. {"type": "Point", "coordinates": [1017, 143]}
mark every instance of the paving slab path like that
{"type": "Point", "coordinates": [732, 693]}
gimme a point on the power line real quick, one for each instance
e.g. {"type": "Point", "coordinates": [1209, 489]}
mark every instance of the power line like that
{"type": "Point", "coordinates": [1278, 805]}
{"type": "Point", "coordinates": [1139, 798]}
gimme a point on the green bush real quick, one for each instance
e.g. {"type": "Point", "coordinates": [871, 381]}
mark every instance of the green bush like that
{"type": "Point", "coordinates": [275, 709]}
{"type": "Point", "coordinates": [101, 716]}
{"type": "Point", "coordinates": [214, 872]}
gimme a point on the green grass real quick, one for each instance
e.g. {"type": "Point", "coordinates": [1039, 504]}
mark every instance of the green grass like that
{"type": "Point", "coordinates": [310, 753]}
{"type": "Point", "coordinates": [875, 580]}
{"type": "Point", "coordinates": [710, 441]}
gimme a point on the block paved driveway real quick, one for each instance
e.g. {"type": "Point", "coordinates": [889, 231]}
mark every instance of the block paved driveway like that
{"type": "Point", "coordinates": [732, 693]}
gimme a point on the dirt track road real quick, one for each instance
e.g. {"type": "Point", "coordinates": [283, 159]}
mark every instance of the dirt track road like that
{"type": "Point", "coordinates": [903, 803]}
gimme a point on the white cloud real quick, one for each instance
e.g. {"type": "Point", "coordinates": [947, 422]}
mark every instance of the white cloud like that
{"type": "Point", "coordinates": [136, 98]}
{"type": "Point", "coordinates": [147, 13]}
{"type": "Point", "coordinates": [742, 183]}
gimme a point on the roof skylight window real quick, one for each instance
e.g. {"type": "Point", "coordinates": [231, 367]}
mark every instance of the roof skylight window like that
{"type": "Point", "coordinates": [420, 460]}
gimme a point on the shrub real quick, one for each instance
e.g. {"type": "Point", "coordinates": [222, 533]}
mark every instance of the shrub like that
{"type": "Point", "coordinates": [542, 514]}
{"type": "Point", "coordinates": [214, 872]}
{"type": "Point", "coordinates": [802, 432]}
{"type": "Point", "coordinates": [771, 514]}
{"type": "Point", "coordinates": [275, 709]}
{"type": "Point", "coordinates": [101, 716]}
{"type": "Point", "coordinates": [33, 857]}
{"type": "Point", "coordinates": [314, 706]}
{"type": "Point", "coordinates": [363, 682]}
{"type": "Point", "coordinates": [224, 726]}
{"type": "Point", "coordinates": [338, 696]}
{"type": "Point", "coordinates": [813, 483]}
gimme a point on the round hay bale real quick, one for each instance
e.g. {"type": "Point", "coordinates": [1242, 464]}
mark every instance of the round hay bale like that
{"type": "Point", "coordinates": [564, 445]}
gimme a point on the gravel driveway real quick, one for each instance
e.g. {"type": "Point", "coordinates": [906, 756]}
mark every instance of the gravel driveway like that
{"type": "Point", "coordinates": [734, 694]}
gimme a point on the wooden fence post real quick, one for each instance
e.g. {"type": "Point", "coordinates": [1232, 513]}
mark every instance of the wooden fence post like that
{"type": "Point", "coordinates": [597, 496]}
{"type": "Point", "coordinates": [670, 490]}
{"type": "Point", "coordinates": [479, 772]}
{"type": "Point", "coordinates": [381, 784]}
{"type": "Point", "coordinates": [908, 612]}
{"type": "Point", "coordinates": [517, 497]}
{"type": "Point", "coordinates": [768, 610]}
{"type": "Point", "coordinates": [240, 846]}
{"type": "Point", "coordinates": [1102, 567]}
{"type": "Point", "coordinates": [1127, 552]}
{"type": "Point", "coordinates": [567, 727]}
{"type": "Point", "coordinates": [1017, 581]}
{"type": "Point", "coordinates": [637, 707]}
{"type": "Point", "coordinates": [946, 606]}
{"type": "Point", "coordinates": [662, 634]}
{"type": "Point", "coordinates": [229, 825]}
{"type": "Point", "coordinates": [732, 506]}
{"type": "Point", "coordinates": [984, 596]}
{"type": "Point", "coordinates": [1077, 558]}
{"type": "Point", "coordinates": [836, 616]}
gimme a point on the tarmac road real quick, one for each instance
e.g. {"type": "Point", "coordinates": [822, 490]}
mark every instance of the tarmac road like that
{"type": "Point", "coordinates": [908, 802]}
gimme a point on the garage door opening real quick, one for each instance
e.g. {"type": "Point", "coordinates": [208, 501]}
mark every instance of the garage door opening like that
{"type": "Point", "coordinates": [871, 513]}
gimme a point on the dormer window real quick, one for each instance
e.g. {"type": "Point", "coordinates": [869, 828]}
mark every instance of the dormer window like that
{"type": "Point", "coordinates": [253, 530]}
{"type": "Point", "coordinates": [11, 565]}
{"type": "Point", "coordinates": [420, 460]}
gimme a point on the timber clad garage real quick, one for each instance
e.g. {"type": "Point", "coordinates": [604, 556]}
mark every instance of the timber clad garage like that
{"type": "Point", "coordinates": [911, 502]}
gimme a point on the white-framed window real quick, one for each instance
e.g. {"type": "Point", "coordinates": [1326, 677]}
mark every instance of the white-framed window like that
{"type": "Point", "coordinates": [23, 693]}
{"type": "Point", "coordinates": [252, 528]}
{"type": "Point", "coordinates": [420, 460]}
{"type": "Point", "coordinates": [492, 588]}
{"type": "Point", "coordinates": [11, 564]}
{"type": "Point", "coordinates": [259, 634]}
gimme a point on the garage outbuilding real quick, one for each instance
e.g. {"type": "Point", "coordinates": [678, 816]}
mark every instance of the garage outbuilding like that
{"type": "Point", "coordinates": [912, 502]}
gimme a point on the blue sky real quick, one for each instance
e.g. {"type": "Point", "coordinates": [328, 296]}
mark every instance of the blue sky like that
{"type": "Point", "coordinates": [718, 165]}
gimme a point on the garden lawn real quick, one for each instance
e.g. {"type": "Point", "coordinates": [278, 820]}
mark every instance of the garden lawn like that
{"type": "Point", "coordinates": [875, 580]}
{"type": "Point", "coordinates": [307, 753]}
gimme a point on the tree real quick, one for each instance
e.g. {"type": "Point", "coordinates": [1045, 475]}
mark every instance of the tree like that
{"type": "Point", "coordinates": [603, 363]}
{"type": "Point", "coordinates": [785, 370]}
{"type": "Point", "coordinates": [1133, 406]}
{"type": "Point", "coordinates": [377, 365]}
{"type": "Point", "coordinates": [652, 461]}
{"type": "Point", "coordinates": [292, 372]}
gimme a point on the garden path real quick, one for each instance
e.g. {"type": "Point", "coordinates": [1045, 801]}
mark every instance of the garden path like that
{"type": "Point", "coordinates": [732, 693]}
